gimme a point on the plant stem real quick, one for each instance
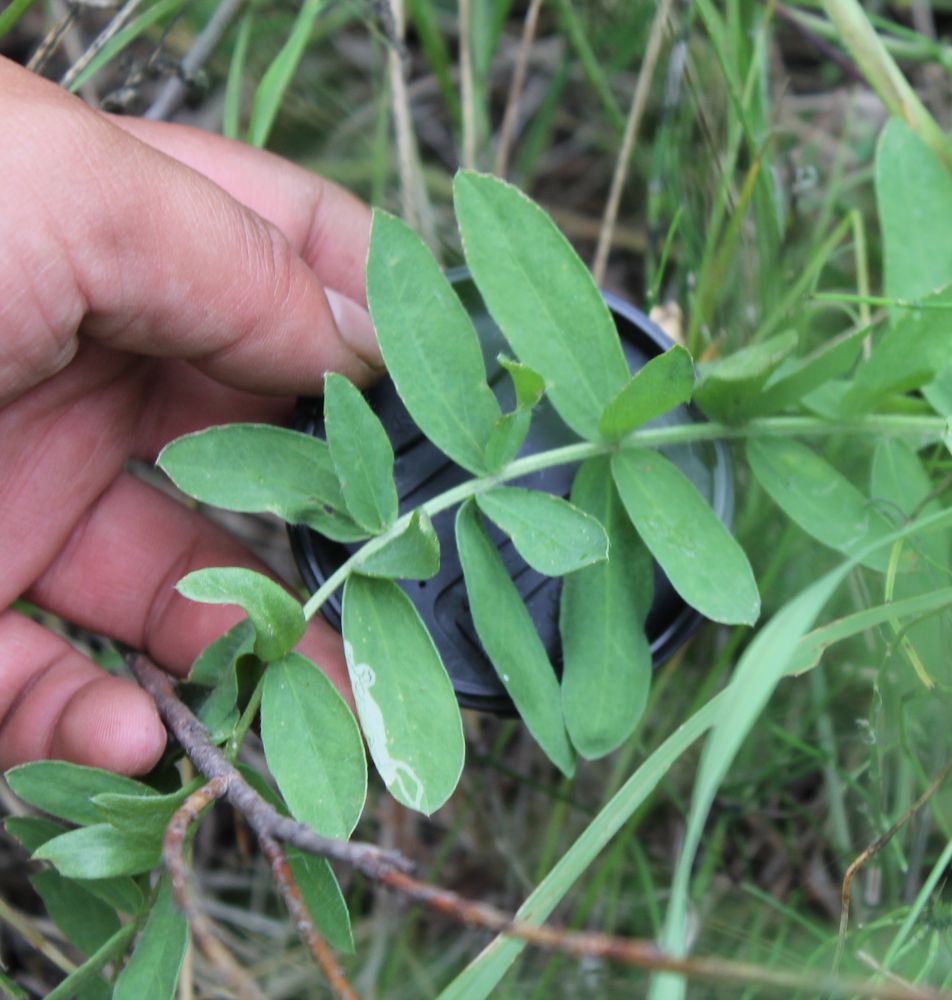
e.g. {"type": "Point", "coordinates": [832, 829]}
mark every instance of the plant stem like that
{"type": "Point", "coordinates": [244, 723]}
{"type": "Point", "coordinates": [893, 425]}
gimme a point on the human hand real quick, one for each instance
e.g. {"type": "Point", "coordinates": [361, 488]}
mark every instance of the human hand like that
{"type": "Point", "coordinates": [154, 280]}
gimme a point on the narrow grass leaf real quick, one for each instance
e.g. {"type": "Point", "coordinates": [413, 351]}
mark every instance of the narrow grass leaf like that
{"type": "Point", "coordinates": [606, 658]}
{"type": "Point", "coordinates": [914, 203]}
{"type": "Point", "coordinates": [510, 639]}
{"type": "Point", "coordinates": [663, 383]}
{"type": "Point", "coordinates": [405, 700]}
{"type": "Point", "coordinates": [548, 532]}
{"type": "Point", "coordinates": [813, 645]}
{"type": "Point", "coordinates": [12, 14]}
{"type": "Point", "coordinates": [542, 297]}
{"type": "Point", "coordinates": [483, 974]}
{"type": "Point", "coordinates": [429, 344]}
{"type": "Point", "coordinates": [818, 497]}
{"type": "Point", "coordinates": [256, 468]}
{"type": "Point", "coordinates": [909, 356]}
{"type": "Point", "coordinates": [414, 554]}
{"type": "Point", "coordinates": [700, 557]}
{"type": "Point", "coordinates": [362, 455]}
{"type": "Point", "coordinates": [758, 672]}
{"type": "Point", "coordinates": [84, 918]}
{"type": "Point", "coordinates": [323, 898]}
{"type": "Point", "coordinates": [100, 851]}
{"type": "Point", "coordinates": [270, 92]}
{"type": "Point", "coordinates": [729, 388]}
{"type": "Point", "coordinates": [231, 110]}
{"type": "Point", "coordinates": [277, 617]}
{"type": "Point", "coordinates": [313, 747]}
{"type": "Point", "coordinates": [81, 978]}
{"type": "Point", "coordinates": [155, 966]}
{"type": "Point", "coordinates": [66, 790]}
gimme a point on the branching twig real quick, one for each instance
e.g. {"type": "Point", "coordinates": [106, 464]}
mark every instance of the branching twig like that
{"type": "Point", "coordinates": [206, 41]}
{"type": "Point", "coordinates": [318, 947]}
{"type": "Point", "coordinates": [389, 869]}
{"type": "Point", "coordinates": [874, 848]}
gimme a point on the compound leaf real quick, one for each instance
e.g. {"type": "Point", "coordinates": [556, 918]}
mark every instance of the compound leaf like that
{"type": "Point", "coordinates": [542, 297]}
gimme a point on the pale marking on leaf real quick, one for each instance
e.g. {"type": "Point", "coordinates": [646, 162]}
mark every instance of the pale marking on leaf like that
{"type": "Point", "coordinates": [391, 769]}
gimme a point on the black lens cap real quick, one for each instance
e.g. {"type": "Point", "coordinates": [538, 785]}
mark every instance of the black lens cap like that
{"type": "Point", "coordinates": [422, 471]}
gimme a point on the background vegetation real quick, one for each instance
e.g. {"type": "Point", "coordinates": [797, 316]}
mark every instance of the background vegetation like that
{"type": "Point", "coordinates": [748, 195]}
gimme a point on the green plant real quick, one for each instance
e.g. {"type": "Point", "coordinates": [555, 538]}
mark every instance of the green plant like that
{"type": "Point", "coordinates": [628, 500]}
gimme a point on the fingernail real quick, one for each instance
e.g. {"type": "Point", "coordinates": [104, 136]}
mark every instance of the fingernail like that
{"type": "Point", "coordinates": [356, 328]}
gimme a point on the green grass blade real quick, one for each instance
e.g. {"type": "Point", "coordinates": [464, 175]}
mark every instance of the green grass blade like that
{"type": "Point", "coordinates": [231, 114]}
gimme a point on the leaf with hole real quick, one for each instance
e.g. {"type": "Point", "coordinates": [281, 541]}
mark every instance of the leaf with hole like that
{"type": "Point", "coordinates": [551, 535]}
{"type": "Point", "coordinates": [256, 468]}
{"type": "Point", "coordinates": [818, 497]}
{"type": "Point", "coordinates": [313, 747]}
{"type": "Point", "coordinates": [510, 638]}
{"type": "Point", "coordinates": [663, 383]}
{"type": "Point", "coordinates": [362, 455]}
{"type": "Point", "coordinates": [700, 557]}
{"type": "Point", "coordinates": [429, 344]}
{"type": "Point", "coordinates": [606, 658]}
{"type": "Point", "coordinates": [277, 617]}
{"type": "Point", "coordinates": [406, 704]}
{"type": "Point", "coordinates": [542, 297]}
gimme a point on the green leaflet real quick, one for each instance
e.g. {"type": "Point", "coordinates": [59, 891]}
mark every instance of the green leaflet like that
{"type": "Point", "coordinates": [156, 963]}
{"type": "Point", "coordinates": [100, 851]}
{"type": "Point", "coordinates": [277, 617]}
{"type": "Point", "coordinates": [729, 388]}
{"type": "Point", "coordinates": [66, 790]}
{"type": "Point", "coordinates": [256, 468]}
{"type": "Point", "coordinates": [606, 657]}
{"type": "Point", "coordinates": [510, 639]}
{"type": "Point", "coordinates": [31, 832]}
{"type": "Point", "coordinates": [84, 918]}
{"type": "Point", "coordinates": [141, 816]}
{"type": "Point", "coordinates": [550, 534]}
{"type": "Point", "coordinates": [542, 297]}
{"type": "Point", "coordinates": [313, 747]}
{"type": "Point", "coordinates": [314, 876]}
{"type": "Point", "coordinates": [216, 668]}
{"type": "Point", "coordinates": [429, 344]}
{"type": "Point", "coordinates": [82, 978]}
{"type": "Point", "coordinates": [413, 555]}
{"type": "Point", "coordinates": [700, 557]}
{"type": "Point", "coordinates": [507, 436]}
{"type": "Point", "coordinates": [322, 896]}
{"type": "Point", "coordinates": [914, 204]}
{"type": "Point", "coordinates": [818, 497]}
{"type": "Point", "coordinates": [794, 379]}
{"type": "Point", "coordinates": [362, 455]}
{"type": "Point", "coordinates": [662, 384]}
{"type": "Point", "coordinates": [909, 356]}
{"type": "Point", "coordinates": [405, 701]}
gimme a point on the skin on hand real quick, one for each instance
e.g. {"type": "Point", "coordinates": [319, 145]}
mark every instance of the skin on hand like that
{"type": "Point", "coordinates": [154, 280]}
